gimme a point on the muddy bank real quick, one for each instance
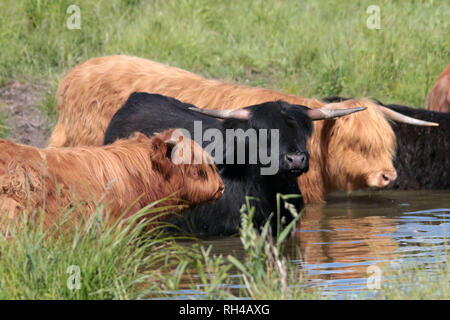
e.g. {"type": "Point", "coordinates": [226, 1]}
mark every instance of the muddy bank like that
{"type": "Point", "coordinates": [19, 105]}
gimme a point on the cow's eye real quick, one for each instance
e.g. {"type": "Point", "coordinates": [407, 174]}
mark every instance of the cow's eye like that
{"type": "Point", "coordinates": [202, 173]}
{"type": "Point", "coordinates": [290, 123]}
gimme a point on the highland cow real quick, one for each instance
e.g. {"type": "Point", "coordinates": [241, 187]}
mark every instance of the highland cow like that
{"type": "Point", "coordinates": [422, 160]}
{"type": "Point", "coordinates": [439, 98]}
{"type": "Point", "coordinates": [139, 169]}
{"type": "Point", "coordinates": [291, 124]}
{"type": "Point", "coordinates": [346, 154]}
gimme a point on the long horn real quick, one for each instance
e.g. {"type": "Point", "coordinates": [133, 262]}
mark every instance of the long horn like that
{"type": "Point", "coordinates": [224, 114]}
{"type": "Point", "coordinates": [398, 117]}
{"type": "Point", "coordinates": [326, 113]}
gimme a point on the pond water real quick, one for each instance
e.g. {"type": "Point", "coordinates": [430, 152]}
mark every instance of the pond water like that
{"type": "Point", "coordinates": [336, 243]}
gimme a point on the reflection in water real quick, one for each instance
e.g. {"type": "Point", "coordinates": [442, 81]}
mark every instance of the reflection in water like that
{"type": "Point", "coordinates": [342, 247]}
{"type": "Point", "coordinates": [340, 239]}
{"type": "Point", "coordinates": [336, 242]}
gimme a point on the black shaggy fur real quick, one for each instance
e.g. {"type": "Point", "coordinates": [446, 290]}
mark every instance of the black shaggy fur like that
{"type": "Point", "coordinates": [150, 113]}
{"type": "Point", "coordinates": [423, 153]}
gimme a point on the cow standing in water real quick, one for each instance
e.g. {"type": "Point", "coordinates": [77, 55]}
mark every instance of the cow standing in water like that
{"type": "Point", "coordinates": [274, 130]}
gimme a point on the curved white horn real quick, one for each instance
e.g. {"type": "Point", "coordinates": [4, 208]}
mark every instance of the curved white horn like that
{"type": "Point", "coordinates": [326, 113]}
{"type": "Point", "coordinates": [224, 114]}
{"type": "Point", "coordinates": [398, 117]}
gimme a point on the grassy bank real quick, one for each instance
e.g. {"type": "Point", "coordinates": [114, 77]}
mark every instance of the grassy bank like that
{"type": "Point", "coordinates": [310, 48]}
{"type": "Point", "coordinates": [91, 259]}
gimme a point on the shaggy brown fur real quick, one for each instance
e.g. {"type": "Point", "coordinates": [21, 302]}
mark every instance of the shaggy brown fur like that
{"type": "Point", "coordinates": [54, 179]}
{"type": "Point", "coordinates": [348, 153]}
{"type": "Point", "coordinates": [439, 98]}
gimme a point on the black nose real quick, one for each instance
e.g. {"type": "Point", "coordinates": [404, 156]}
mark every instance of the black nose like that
{"type": "Point", "coordinates": [296, 161]}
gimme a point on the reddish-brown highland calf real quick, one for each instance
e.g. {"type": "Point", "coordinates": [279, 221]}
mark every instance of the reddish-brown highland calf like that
{"type": "Point", "coordinates": [149, 168]}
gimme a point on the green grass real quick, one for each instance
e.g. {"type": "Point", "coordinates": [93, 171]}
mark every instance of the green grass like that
{"type": "Point", "coordinates": [311, 48]}
{"type": "Point", "coordinates": [47, 106]}
{"type": "Point", "coordinates": [3, 128]}
{"type": "Point", "coordinates": [35, 262]}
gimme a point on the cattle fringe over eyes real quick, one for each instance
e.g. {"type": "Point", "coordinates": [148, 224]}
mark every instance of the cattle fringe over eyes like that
{"type": "Point", "coordinates": [94, 90]}
{"type": "Point", "coordinates": [421, 160]}
{"type": "Point", "coordinates": [55, 178]}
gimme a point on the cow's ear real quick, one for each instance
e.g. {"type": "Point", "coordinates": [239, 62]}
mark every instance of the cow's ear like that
{"type": "Point", "coordinates": [175, 138]}
{"type": "Point", "coordinates": [170, 145]}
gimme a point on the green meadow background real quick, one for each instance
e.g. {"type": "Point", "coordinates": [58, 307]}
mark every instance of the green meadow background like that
{"type": "Point", "coordinates": [310, 48]}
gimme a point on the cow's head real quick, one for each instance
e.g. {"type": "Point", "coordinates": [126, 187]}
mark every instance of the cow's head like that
{"type": "Point", "coordinates": [280, 132]}
{"type": "Point", "coordinates": [288, 128]}
{"type": "Point", "coordinates": [183, 163]}
{"type": "Point", "coordinates": [270, 137]}
{"type": "Point", "coordinates": [358, 151]}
